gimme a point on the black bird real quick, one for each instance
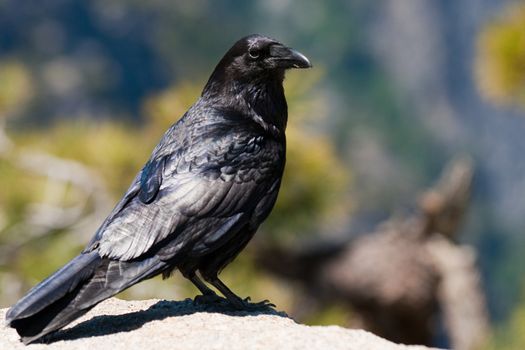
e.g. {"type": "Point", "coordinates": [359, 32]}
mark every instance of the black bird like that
{"type": "Point", "coordinates": [208, 185]}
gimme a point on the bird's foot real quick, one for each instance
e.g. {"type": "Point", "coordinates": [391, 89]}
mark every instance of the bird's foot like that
{"type": "Point", "coordinates": [247, 305]}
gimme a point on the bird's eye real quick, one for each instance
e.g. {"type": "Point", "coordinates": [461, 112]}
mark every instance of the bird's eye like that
{"type": "Point", "coordinates": [254, 53]}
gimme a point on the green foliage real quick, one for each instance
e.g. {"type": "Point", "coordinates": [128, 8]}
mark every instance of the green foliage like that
{"type": "Point", "coordinates": [14, 195]}
{"type": "Point", "coordinates": [500, 64]}
{"type": "Point", "coordinates": [116, 151]}
{"type": "Point", "coordinates": [329, 315]}
{"type": "Point", "coordinates": [15, 86]}
{"type": "Point", "coordinates": [41, 257]}
{"type": "Point", "coordinates": [510, 336]}
{"type": "Point", "coordinates": [313, 188]}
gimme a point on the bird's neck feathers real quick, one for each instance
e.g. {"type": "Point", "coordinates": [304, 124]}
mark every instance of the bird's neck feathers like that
{"type": "Point", "coordinates": [261, 99]}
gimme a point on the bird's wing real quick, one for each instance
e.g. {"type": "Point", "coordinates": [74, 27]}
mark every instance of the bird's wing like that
{"type": "Point", "coordinates": [188, 198]}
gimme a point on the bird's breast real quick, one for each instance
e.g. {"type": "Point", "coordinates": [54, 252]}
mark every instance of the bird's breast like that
{"type": "Point", "coordinates": [253, 158]}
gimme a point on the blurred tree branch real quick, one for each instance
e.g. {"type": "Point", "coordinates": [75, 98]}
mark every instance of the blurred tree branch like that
{"type": "Point", "coordinates": [398, 278]}
{"type": "Point", "coordinates": [51, 215]}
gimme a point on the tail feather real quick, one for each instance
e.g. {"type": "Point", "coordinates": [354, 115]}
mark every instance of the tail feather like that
{"type": "Point", "coordinates": [52, 317]}
{"type": "Point", "coordinates": [75, 289]}
{"type": "Point", "coordinates": [55, 286]}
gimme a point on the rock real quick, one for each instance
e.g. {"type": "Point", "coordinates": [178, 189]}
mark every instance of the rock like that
{"type": "Point", "coordinates": [155, 324]}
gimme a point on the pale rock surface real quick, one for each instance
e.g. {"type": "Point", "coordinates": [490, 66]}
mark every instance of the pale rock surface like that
{"type": "Point", "coordinates": [154, 324]}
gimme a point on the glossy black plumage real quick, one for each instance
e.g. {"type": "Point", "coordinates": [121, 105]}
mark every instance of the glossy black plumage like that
{"type": "Point", "coordinates": [208, 185]}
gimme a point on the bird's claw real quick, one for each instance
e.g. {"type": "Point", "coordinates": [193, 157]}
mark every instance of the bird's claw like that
{"type": "Point", "coordinates": [247, 305]}
{"type": "Point", "coordinates": [262, 304]}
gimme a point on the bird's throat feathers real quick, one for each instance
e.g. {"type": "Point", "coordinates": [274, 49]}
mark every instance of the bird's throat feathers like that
{"type": "Point", "coordinates": [261, 99]}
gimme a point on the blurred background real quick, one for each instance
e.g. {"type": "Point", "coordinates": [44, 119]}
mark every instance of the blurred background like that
{"type": "Point", "coordinates": [404, 162]}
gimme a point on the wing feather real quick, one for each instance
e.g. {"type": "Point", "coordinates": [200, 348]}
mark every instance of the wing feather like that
{"type": "Point", "coordinates": [196, 194]}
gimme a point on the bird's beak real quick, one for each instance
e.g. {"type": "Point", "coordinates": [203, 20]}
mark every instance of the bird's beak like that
{"type": "Point", "coordinates": [286, 57]}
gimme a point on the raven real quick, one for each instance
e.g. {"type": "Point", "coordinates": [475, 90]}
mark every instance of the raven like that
{"type": "Point", "coordinates": [208, 185]}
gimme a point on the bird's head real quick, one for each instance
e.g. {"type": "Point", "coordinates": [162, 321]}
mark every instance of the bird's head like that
{"type": "Point", "coordinates": [259, 53]}
{"type": "Point", "coordinates": [255, 57]}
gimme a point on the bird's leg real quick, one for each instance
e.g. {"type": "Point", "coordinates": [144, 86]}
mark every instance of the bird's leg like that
{"type": "Point", "coordinates": [208, 296]}
{"type": "Point", "coordinates": [235, 300]}
{"type": "Point", "coordinates": [201, 286]}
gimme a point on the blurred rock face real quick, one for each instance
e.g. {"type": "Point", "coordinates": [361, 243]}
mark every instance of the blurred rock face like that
{"type": "Point", "coordinates": [388, 278]}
